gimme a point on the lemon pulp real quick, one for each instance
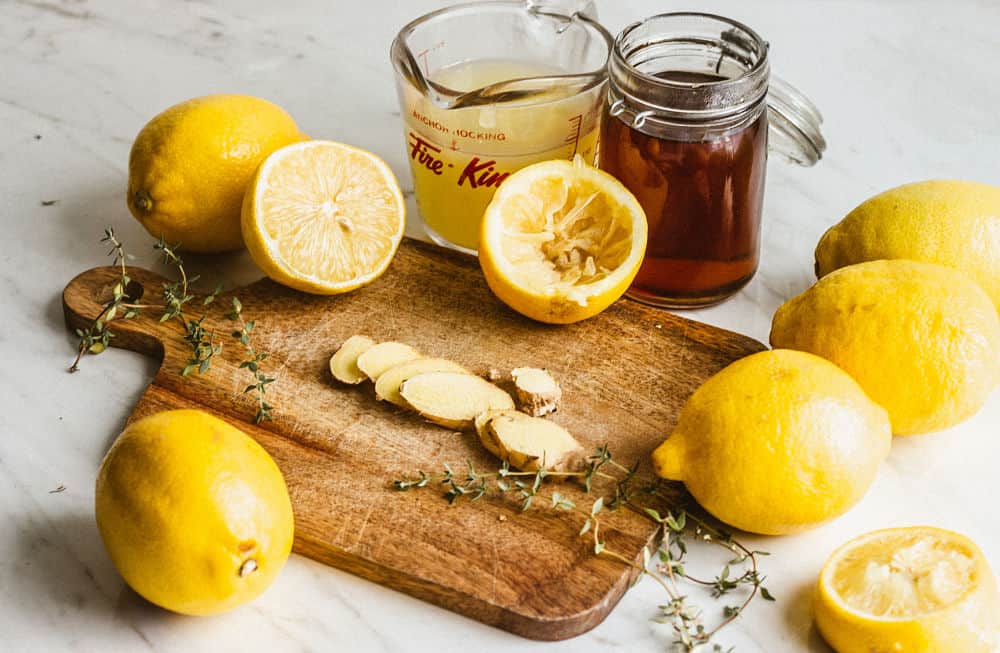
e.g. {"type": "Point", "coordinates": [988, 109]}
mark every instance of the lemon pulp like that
{"type": "Point", "coordinates": [915, 576]}
{"type": "Point", "coordinates": [323, 217]}
{"type": "Point", "coordinates": [562, 237]}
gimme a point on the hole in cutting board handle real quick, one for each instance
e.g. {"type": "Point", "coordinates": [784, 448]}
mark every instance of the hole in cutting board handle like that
{"type": "Point", "coordinates": [134, 291]}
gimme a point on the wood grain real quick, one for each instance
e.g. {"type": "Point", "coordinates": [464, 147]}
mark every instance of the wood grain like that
{"type": "Point", "coordinates": [625, 375]}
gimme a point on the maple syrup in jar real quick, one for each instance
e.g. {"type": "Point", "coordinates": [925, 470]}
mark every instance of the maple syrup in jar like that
{"type": "Point", "coordinates": [686, 130]}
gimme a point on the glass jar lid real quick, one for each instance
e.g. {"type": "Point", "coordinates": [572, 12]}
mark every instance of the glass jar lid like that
{"type": "Point", "coordinates": [689, 75]}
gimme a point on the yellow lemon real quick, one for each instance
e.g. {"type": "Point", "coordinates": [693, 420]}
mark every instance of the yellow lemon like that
{"type": "Point", "coordinates": [193, 512]}
{"type": "Point", "coordinates": [561, 241]}
{"type": "Point", "coordinates": [323, 217]}
{"type": "Point", "coordinates": [953, 223]}
{"type": "Point", "coordinates": [190, 166]}
{"type": "Point", "coordinates": [911, 590]}
{"type": "Point", "coordinates": [923, 340]}
{"type": "Point", "coordinates": [776, 442]}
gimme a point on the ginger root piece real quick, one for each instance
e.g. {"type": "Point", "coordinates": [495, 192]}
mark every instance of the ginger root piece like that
{"type": "Point", "coordinates": [453, 399]}
{"type": "Point", "coordinates": [387, 386]}
{"type": "Point", "coordinates": [384, 356]}
{"type": "Point", "coordinates": [529, 443]}
{"type": "Point", "coordinates": [537, 392]}
{"type": "Point", "coordinates": [485, 436]}
{"type": "Point", "coordinates": [344, 363]}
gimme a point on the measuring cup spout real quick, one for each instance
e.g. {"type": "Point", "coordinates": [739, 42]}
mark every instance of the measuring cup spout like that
{"type": "Point", "coordinates": [563, 7]}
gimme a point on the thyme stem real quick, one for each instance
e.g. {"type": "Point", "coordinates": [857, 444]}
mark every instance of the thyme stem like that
{"type": "Point", "coordinates": [252, 362]}
{"type": "Point", "coordinates": [618, 491]}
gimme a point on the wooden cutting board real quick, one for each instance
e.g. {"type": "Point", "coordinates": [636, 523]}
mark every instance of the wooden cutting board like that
{"type": "Point", "coordinates": [624, 374]}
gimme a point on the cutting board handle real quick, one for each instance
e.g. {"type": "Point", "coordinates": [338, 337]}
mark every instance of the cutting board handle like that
{"type": "Point", "coordinates": [87, 294]}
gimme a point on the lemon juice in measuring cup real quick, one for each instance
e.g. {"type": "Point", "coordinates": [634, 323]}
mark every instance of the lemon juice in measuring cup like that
{"type": "Point", "coordinates": [486, 89]}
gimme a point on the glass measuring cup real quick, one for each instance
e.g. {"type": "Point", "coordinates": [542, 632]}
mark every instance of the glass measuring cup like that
{"type": "Point", "coordinates": [486, 88]}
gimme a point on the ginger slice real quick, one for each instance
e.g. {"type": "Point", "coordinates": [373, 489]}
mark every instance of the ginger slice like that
{"type": "Point", "coordinates": [529, 443]}
{"type": "Point", "coordinates": [452, 399]}
{"type": "Point", "coordinates": [537, 392]}
{"type": "Point", "coordinates": [387, 386]}
{"type": "Point", "coordinates": [383, 356]}
{"type": "Point", "coordinates": [344, 363]}
{"type": "Point", "coordinates": [486, 436]}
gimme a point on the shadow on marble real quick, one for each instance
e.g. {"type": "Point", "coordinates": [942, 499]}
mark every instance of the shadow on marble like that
{"type": "Point", "coordinates": [798, 614]}
{"type": "Point", "coordinates": [64, 564]}
{"type": "Point", "coordinates": [125, 398]}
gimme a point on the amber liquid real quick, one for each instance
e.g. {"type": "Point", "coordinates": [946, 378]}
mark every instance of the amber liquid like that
{"type": "Point", "coordinates": [703, 203]}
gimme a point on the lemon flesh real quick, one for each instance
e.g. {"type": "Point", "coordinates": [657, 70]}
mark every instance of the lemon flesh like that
{"type": "Point", "coordinates": [777, 442]}
{"type": "Point", "coordinates": [561, 241]}
{"type": "Point", "coordinates": [918, 589]}
{"type": "Point", "coordinates": [194, 513]}
{"type": "Point", "coordinates": [919, 575]}
{"type": "Point", "coordinates": [323, 217]}
{"type": "Point", "coordinates": [951, 223]}
{"type": "Point", "coordinates": [190, 166]}
{"type": "Point", "coordinates": [923, 340]}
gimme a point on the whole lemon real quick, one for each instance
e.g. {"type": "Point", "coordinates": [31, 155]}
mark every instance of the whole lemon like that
{"type": "Point", "coordinates": [923, 340]}
{"type": "Point", "coordinates": [776, 442]}
{"type": "Point", "coordinates": [952, 223]}
{"type": "Point", "coordinates": [916, 590]}
{"type": "Point", "coordinates": [193, 512]}
{"type": "Point", "coordinates": [190, 166]}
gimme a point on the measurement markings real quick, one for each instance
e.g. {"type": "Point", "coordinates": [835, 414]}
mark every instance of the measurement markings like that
{"type": "Point", "coordinates": [575, 126]}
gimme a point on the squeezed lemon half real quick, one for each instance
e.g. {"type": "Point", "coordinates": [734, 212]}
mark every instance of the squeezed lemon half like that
{"type": "Point", "coordinates": [919, 590]}
{"type": "Point", "coordinates": [323, 217]}
{"type": "Point", "coordinates": [561, 241]}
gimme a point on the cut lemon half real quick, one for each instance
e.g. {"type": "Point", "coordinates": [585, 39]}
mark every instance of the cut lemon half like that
{"type": "Point", "coordinates": [323, 217]}
{"type": "Point", "coordinates": [561, 241]}
{"type": "Point", "coordinates": [911, 590]}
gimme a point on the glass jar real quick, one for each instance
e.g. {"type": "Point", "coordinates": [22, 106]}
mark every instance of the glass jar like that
{"type": "Point", "coordinates": [689, 109]}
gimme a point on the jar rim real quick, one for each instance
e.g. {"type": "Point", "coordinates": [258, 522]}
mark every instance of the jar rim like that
{"type": "Point", "coordinates": [618, 54]}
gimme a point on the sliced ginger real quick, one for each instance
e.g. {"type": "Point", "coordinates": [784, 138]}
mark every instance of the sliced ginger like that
{"type": "Point", "coordinates": [453, 399]}
{"type": "Point", "coordinates": [537, 392]}
{"type": "Point", "coordinates": [529, 443]}
{"type": "Point", "coordinates": [384, 356]}
{"type": "Point", "coordinates": [387, 386]}
{"type": "Point", "coordinates": [344, 363]}
{"type": "Point", "coordinates": [445, 393]}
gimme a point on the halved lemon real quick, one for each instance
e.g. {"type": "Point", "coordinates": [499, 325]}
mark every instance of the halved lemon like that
{"type": "Point", "coordinates": [323, 217]}
{"type": "Point", "coordinates": [908, 590]}
{"type": "Point", "coordinates": [561, 241]}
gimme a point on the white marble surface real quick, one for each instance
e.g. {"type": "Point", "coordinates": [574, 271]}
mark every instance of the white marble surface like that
{"type": "Point", "coordinates": [909, 89]}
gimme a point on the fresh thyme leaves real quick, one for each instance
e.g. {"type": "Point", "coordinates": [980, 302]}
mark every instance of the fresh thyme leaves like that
{"type": "Point", "coordinates": [123, 304]}
{"type": "Point", "coordinates": [617, 486]}
{"type": "Point", "coordinates": [252, 361]}
{"type": "Point", "coordinates": [176, 298]}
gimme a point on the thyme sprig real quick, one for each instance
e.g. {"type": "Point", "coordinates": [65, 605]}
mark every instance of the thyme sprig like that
{"type": "Point", "coordinates": [123, 305]}
{"type": "Point", "coordinates": [252, 362]}
{"type": "Point", "coordinates": [177, 300]}
{"type": "Point", "coordinates": [175, 297]}
{"type": "Point", "coordinates": [617, 487]}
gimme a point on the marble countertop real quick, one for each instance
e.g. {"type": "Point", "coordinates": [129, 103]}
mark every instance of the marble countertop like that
{"type": "Point", "coordinates": [909, 90]}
